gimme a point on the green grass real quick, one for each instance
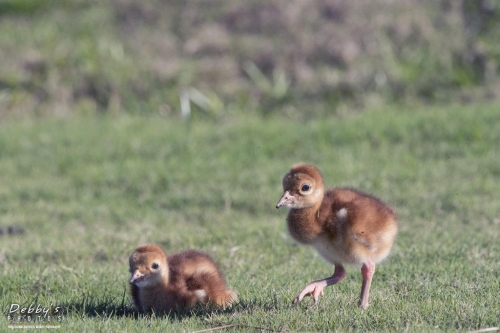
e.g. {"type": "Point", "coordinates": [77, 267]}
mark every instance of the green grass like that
{"type": "Point", "coordinates": [83, 57]}
{"type": "Point", "coordinates": [87, 191]}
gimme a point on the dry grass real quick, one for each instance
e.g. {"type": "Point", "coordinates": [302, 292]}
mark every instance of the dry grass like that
{"type": "Point", "coordinates": [310, 58]}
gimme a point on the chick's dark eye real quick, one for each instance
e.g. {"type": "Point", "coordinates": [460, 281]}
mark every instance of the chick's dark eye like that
{"type": "Point", "coordinates": [155, 266]}
{"type": "Point", "coordinates": [305, 188]}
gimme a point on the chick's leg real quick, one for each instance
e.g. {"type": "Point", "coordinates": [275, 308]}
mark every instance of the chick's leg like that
{"type": "Point", "coordinates": [367, 271]}
{"type": "Point", "coordinates": [315, 288]}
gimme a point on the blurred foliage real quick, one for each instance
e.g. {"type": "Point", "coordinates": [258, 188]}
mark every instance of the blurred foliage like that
{"type": "Point", "coordinates": [301, 58]}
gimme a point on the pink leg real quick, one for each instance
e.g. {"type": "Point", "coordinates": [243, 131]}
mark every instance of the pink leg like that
{"type": "Point", "coordinates": [315, 288]}
{"type": "Point", "coordinates": [367, 271]}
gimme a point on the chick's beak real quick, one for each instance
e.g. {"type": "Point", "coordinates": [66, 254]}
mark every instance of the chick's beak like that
{"type": "Point", "coordinates": [137, 276]}
{"type": "Point", "coordinates": [285, 200]}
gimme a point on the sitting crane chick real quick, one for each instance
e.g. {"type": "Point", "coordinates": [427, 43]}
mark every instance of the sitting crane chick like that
{"type": "Point", "coordinates": [344, 225]}
{"type": "Point", "coordinates": [163, 283]}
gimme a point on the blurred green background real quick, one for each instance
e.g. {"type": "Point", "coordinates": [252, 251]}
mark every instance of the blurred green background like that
{"type": "Point", "coordinates": [299, 58]}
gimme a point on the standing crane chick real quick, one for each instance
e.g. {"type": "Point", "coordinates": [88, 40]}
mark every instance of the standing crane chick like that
{"type": "Point", "coordinates": [163, 283]}
{"type": "Point", "coordinates": [344, 225]}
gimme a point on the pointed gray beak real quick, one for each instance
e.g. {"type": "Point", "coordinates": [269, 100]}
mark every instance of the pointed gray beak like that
{"type": "Point", "coordinates": [136, 276]}
{"type": "Point", "coordinates": [285, 200]}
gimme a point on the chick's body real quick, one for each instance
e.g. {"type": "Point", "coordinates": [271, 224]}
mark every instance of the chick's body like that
{"type": "Point", "coordinates": [163, 283]}
{"type": "Point", "coordinates": [344, 225]}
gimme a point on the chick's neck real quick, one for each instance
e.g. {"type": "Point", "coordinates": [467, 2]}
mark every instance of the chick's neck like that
{"type": "Point", "coordinates": [304, 223]}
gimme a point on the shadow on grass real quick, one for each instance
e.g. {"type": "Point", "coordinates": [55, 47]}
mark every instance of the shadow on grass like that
{"type": "Point", "coordinates": [114, 307]}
